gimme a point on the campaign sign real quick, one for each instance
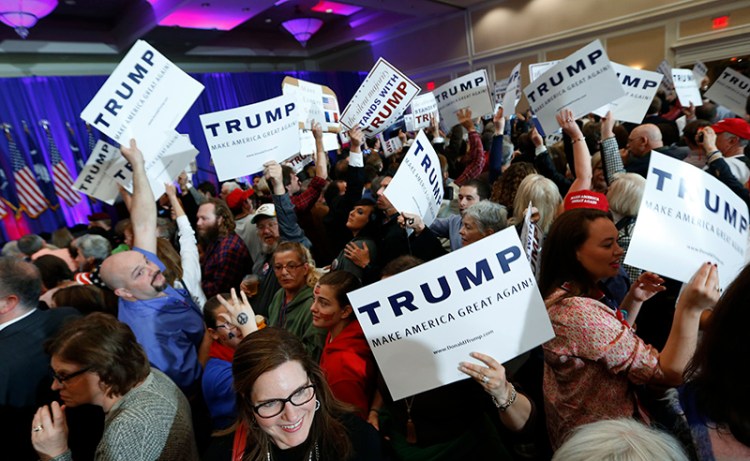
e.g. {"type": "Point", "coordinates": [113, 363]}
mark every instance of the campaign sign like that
{"type": "Point", "coordinates": [699, 71]}
{"type": "Point", "coordinates": [665, 69]}
{"type": "Point", "coordinates": [422, 108]}
{"type": "Point", "coordinates": [417, 186]}
{"type": "Point", "coordinates": [582, 82]}
{"type": "Point", "coordinates": [380, 100]}
{"type": "Point", "coordinates": [640, 87]}
{"type": "Point", "coordinates": [307, 142]}
{"type": "Point", "coordinates": [500, 87]}
{"type": "Point", "coordinates": [513, 92]}
{"type": "Point", "coordinates": [298, 162]}
{"type": "Point", "coordinates": [317, 103]}
{"type": "Point", "coordinates": [532, 238]}
{"type": "Point", "coordinates": [421, 323]}
{"type": "Point", "coordinates": [93, 180]}
{"type": "Point", "coordinates": [686, 87]}
{"type": "Point", "coordinates": [470, 91]}
{"type": "Point", "coordinates": [145, 98]}
{"type": "Point", "coordinates": [731, 90]}
{"type": "Point", "coordinates": [242, 139]}
{"type": "Point", "coordinates": [392, 145]}
{"type": "Point", "coordinates": [687, 217]}
{"type": "Point", "coordinates": [537, 69]}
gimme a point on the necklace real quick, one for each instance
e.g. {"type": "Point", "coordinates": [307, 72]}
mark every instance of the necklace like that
{"type": "Point", "coordinates": [317, 454]}
{"type": "Point", "coordinates": [411, 431]}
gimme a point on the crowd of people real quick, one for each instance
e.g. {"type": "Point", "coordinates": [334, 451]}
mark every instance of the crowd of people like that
{"type": "Point", "coordinates": [217, 326]}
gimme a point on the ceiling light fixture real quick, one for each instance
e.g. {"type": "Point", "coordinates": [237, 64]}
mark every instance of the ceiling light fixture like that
{"type": "Point", "coordinates": [302, 28]}
{"type": "Point", "coordinates": [22, 15]}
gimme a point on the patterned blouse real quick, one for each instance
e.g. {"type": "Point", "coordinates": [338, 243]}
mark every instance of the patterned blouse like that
{"type": "Point", "coordinates": [590, 364]}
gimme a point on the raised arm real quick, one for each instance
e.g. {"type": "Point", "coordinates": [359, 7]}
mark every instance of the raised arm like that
{"type": "Point", "coordinates": [581, 155]}
{"type": "Point", "coordinates": [611, 160]}
{"type": "Point", "coordinates": [143, 205]}
{"type": "Point", "coordinates": [496, 150]}
{"type": "Point", "coordinates": [475, 158]}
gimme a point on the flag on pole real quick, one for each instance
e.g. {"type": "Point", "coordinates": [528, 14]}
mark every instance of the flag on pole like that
{"type": "Point", "coordinates": [30, 197]}
{"type": "Point", "coordinates": [60, 173]}
{"type": "Point", "coordinates": [90, 139]}
{"type": "Point", "coordinates": [43, 177]}
{"type": "Point", "coordinates": [77, 154]}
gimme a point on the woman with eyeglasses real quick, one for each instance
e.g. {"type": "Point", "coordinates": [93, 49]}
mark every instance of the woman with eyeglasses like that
{"type": "Point", "coordinates": [290, 306]}
{"type": "Point", "coordinates": [286, 409]}
{"type": "Point", "coordinates": [97, 360]}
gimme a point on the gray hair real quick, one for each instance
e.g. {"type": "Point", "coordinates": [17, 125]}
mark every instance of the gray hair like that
{"type": "Point", "coordinates": [166, 228]}
{"type": "Point", "coordinates": [30, 244]}
{"type": "Point", "coordinates": [619, 440]}
{"type": "Point", "coordinates": [11, 249]}
{"type": "Point", "coordinates": [625, 193]}
{"type": "Point", "coordinates": [488, 216]}
{"type": "Point", "coordinates": [20, 278]}
{"type": "Point", "coordinates": [94, 246]}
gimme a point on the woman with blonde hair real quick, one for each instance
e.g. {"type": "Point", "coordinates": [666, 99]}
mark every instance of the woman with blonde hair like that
{"type": "Point", "coordinates": [543, 195]}
{"type": "Point", "coordinates": [624, 197]}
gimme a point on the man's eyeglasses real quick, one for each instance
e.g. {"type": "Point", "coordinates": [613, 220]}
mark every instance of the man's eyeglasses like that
{"type": "Point", "coordinates": [274, 407]}
{"type": "Point", "coordinates": [61, 379]}
{"type": "Point", "coordinates": [289, 266]}
{"type": "Point", "coordinates": [227, 326]}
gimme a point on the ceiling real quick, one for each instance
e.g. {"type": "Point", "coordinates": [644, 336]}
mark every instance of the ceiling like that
{"type": "Point", "coordinates": [247, 31]}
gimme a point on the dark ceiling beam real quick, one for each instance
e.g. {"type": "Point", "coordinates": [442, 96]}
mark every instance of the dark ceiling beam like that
{"type": "Point", "coordinates": [408, 7]}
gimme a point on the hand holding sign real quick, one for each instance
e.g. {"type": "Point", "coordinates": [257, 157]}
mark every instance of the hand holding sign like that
{"type": "Point", "coordinates": [357, 138]}
{"type": "Point", "coordinates": [568, 123]}
{"type": "Point", "coordinates": [411, 221]}
{"type": "Point", "coordinates": [702, 291]}
{"type": "Point", "coordinates": [273, 174]}
{"type": "Point", "coordinates": [499, 121]}
{"type": "Point", "coordinates": [491, 377]}
{"type": "Point", "coordinates": [132, 154]}
{"type": "Point", "coordinates": [464, 118]}
{"type": "Point", "coordinates": [608, 126]}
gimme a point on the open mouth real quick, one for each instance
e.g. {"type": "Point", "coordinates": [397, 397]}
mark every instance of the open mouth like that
{"type": "Point", "coordinates": [293, 427]}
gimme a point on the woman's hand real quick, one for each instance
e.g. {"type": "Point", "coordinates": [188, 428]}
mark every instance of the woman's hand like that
{"type": "Point", "coordinates": [499, 121]}
{"type": "Point", "coordinates": [49, 431]}
{"type": "Point", "coordinates": [240, 314]}
{"type": "Point", "coordinates": [357, 255]}
{"type": "Point", "coordinates": [646, 286]}
{"type": "Point", "coordinates": [492, 377]}
{"type": "Point", "coordinates": [702, 291]}
{"type": "Point", "coordinates": [568, 123]}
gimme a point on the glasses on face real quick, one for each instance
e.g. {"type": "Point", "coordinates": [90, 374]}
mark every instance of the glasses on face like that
{"type": "Point", "coordinates": [271, 408]}
{"type": "Point", "coordinates": [227, 326]}
{"type": "Point", "coordinates": [288, 266]}
{"type": "Point", "coordinates": [62, 379]}
{"type": "Point", "coordinates": [271, 224]}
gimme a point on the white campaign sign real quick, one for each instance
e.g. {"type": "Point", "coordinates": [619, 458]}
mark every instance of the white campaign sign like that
{"type": "Point", "coordinates": [242, 139]}
{"type": "Point", "coordinates": [499, 90]}
{"type": "Point", "coordinates": [480, 298]}
{"type": "Point", "coordinates": [470, 91]}
{"type": "Point", "coordinates": [532, 238]}
{"type": "Point", "coordinates": [582, 82]}
{"type": "Point", "coordinates": [422, 107]}
{"type": "Point", "coordinates": [314, 104]}
{"type": "Point", "coordinates": [686, 87]}
{"type": "Point", "coordinates": [380, 100]}
{"type": "Point", "coordinates": [536, 70]}
{"type": "Point", "coordinates": [665, 69]}
{"type": "Point", "coordinates": [699, 71]}
{"type": "Point", "coordinates": [687, 217]}
{"type": "Point", "coordinates": [731, 90]}
{"type": "Point", "coordinates": [417, 186]}
{"type": "Point", "coordinates": [513, 92]}
{"type": "Point", "coordinates": [640, 87]}
{"type": "Point", "coordinates": [145, 98]}
{"type": "Point", "coordinates": [390, 146]}
{"type": "Point", "coordinates": [93, 180]}
{"type": "Point", "coordinates": [307, 142]}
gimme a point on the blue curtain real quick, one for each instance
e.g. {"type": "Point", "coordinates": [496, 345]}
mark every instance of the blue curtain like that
{"type": "Point", "coordinates": [60, 100]}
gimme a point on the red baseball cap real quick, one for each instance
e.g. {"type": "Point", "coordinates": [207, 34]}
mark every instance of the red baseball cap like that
{"type": "Point", "coordinates": [586, 199]}
{"type": "Point", "coordinates": [237, 196]}
{"type": "Point", "coordinates": [735, 126]}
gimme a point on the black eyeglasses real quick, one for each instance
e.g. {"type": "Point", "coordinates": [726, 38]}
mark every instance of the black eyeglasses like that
{"type": "Point", "coordinates": [288, 266]}
{"type": "Point", "coordinates": [61, 379]}
{"type": "Point", "coordinates": [271, 408]}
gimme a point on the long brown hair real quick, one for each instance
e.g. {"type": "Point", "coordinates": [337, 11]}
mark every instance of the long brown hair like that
{"type": "Point", "coordinates": [266, 350]}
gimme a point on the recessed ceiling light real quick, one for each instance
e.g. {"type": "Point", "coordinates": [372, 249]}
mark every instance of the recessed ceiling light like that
{"type": "Point", "coordinates": [268, 20]}
{"type": "Point", "coordinates": [329, 10]}
{"type": "Point", "coordinates": [70, 2]}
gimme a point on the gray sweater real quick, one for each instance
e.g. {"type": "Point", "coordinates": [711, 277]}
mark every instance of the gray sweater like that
{"type": "Point", "coordinates": [150, 422]}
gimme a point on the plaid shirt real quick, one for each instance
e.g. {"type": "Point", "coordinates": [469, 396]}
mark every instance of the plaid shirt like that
{"type": "Point", "coordinates": [306, 199]}
{"type": "Point", "coordinates": [476, 159]}
{"type": "Point", "coordinates": [223, 265]}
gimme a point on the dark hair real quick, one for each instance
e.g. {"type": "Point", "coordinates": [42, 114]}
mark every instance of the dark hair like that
{"type": "Point", "coordinates": [559, 262]}
{"type": "Point", "coordinates": [62, 238]}
{"type": "Point", "coordinates": [691, 131]}
{"type": "Point", "coordinates": [342, 282]}
{"type": "Point", "coordinates": [212, 304]}
{"type": "Point", "coordinates": [374, 223]}
{"type": "Point", "coordinates": [655, 106]}
{"type": "Point", "coordinates": [715, 376]}
{"type": "Point", "coordinates": [168, 255]}
{"type": "Point", "coordinates": [505, 187]}
{"type": "Point", "coordinates": [20, 278]}
{"type": "Point", "coordinates": [107, 347]}
{"type": "Point", "coordinates": [221, 210]}
{"type": "Point", "coordinates": [207, 187]}
{"type": "Point", "coordinates": [286, 175]}
{"type": "Point", "coordinates": [264, 351]}
{"type": "Point", "coordinates": [85, 298]}
{"type": "Point", "coordinates": [30, 244]}
{"type": "Point", "coordinates": [483, 189]}
{"type": "Point", "coordinates": [53, 270]}
{"type": "Point", "coordinates": [400, 264]}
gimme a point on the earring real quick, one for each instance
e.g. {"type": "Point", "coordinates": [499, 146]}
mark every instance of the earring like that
{"type": "Point", "coordinates": [317, 405]}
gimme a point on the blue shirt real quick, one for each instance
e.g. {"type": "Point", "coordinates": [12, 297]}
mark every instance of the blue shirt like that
{"type": "Point", "coordinates": [449, 228]}
{"type": "Point", "coordinates": [219, 393]}
{"type": "Point", "coordinates": [170, 329]}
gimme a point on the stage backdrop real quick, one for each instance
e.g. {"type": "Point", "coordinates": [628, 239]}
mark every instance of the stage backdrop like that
{"type": "Point", "coordinates": [43, 118]}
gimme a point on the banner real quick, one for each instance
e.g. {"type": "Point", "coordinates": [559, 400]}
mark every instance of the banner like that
{"type": "Point", "coordinates": [731, 90]}
{"type": "Point", "coordinates": [242, 139]}
{"type": "Point", "coordinates": [640, 86]}
{"type": "Point", "coordinates": [513, 92]}
{"type": "Point", "coordinates": [686, 87]}
{"type": "Point", "coordinates": [480, 298]}
{"type": "Point", "coordinates": [470, 91]}
{"type": "Point", "coordinates": [582, 82]}
{"type": "Point", "coordinates": [687, 217]}
{"type": "Point", "coordinates": [422, 108]}
{"type": "Point", "coordinates": [145, 98]}
{"type": "Point", "coordinates": [317, 103]}
{"type": "Point", "coordinates": [417, 186]}
{"type": "Point", "coordinates": [93, 179]}
{"type": "Point", "coordinates": [380, 100]}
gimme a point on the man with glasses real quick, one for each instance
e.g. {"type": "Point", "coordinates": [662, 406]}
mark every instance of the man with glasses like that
{"type": "Point", "coordinates": [24, 365]}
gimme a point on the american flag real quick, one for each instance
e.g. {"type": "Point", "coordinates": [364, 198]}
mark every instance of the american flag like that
{"type": "Point", "coordinates": [90, 139]}
{"type": "Point", "coordinates": [60, 173]}
{"type": "Point", "coordinates": [77, 154]}
{"type": "Point", "coordinates": [30, 197]}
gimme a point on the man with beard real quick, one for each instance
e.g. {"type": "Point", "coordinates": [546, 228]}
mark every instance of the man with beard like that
{"type": "Point", "coordinates": [225, 259]}
{"type": "Point", "coordinates": [166, 321]}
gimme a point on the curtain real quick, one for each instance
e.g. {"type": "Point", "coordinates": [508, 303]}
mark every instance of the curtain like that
{"type": "Point", "coordinates": [60, 100]}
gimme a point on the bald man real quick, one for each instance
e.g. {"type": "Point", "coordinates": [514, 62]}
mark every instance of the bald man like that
{"type": "Point", "coordinates": [642, 140]}
{"type": "Point", "coordinates": [165, 321]}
